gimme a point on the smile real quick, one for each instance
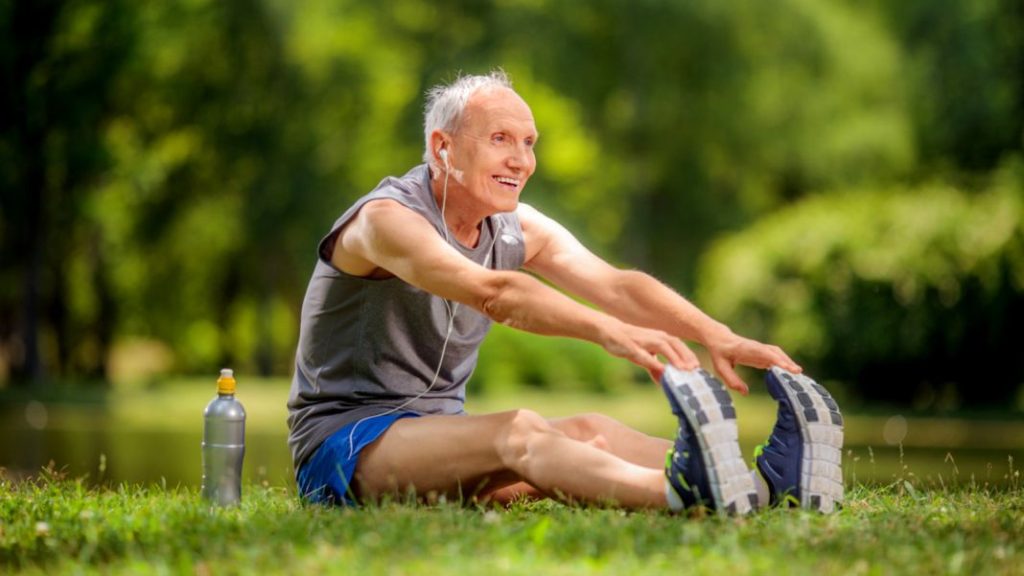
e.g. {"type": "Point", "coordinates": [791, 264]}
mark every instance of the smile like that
{"type": "Point", "coordinates": [506, 181]}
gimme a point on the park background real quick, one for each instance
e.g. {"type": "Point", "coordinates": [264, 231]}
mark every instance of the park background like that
{"type": "Point", "coordinates": [842, 178]}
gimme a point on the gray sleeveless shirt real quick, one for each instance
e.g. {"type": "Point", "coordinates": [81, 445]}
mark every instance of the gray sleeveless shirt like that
{"type": "Point", "coordinates": [367, 346]}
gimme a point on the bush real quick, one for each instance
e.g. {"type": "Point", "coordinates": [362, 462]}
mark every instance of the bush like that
{"type": "Point", "coordinates": [900, 293]}
{"type": "Point", "coordinates": [510, 359]}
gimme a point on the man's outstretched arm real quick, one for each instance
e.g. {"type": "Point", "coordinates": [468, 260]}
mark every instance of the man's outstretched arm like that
{"type": "Point", "coordinates": [638, 298]}
{"type": "Point", "coordinates": [386, 236]}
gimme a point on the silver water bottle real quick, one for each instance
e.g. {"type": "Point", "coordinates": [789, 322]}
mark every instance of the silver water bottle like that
{"type": "Point", "coordinates": [223, 444]}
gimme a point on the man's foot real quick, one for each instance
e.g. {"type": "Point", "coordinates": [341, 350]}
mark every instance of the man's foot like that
{"type": "Point", "coordinates": [705, 467]}
{"type": "Point", "coordinates": [802, 459]}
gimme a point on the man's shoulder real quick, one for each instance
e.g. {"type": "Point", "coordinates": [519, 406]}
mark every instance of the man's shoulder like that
{"type": "Point", "coordinates": [411, 190]}
{"type": "Point", "coordinates": [416, 181]}
{"type": "Point", "coordinates": [380, 209]}
{"type": "Point", "coordinates": [406, 190]}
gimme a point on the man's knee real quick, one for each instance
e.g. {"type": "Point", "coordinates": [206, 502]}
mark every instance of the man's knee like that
{"type": "Point", "coordinates": [592, 428]}
{"type": "Point", "coordinates": [523, 429]}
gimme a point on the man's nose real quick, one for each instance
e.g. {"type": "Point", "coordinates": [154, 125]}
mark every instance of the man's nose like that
{"type": "Point", "coordinates": [520, 157]}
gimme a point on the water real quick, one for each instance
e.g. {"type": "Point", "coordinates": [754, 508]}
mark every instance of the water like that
{"type": "Point", "coordinates": [91, 444]}
{"type": "Point", "coordinates": [139, 457]}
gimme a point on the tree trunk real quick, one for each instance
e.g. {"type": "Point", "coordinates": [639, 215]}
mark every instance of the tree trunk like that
{"type": "Point", "coordinates": [106, 317]}
{"type": "Point", "coordinates": [32, 24]}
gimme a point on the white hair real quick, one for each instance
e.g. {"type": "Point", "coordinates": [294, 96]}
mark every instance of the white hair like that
{"type": "Point", "coordinates": [446, 103]}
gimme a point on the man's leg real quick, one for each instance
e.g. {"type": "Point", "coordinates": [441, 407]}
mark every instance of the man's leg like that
{"type": "Point", "coordinates": [463, 456]}
{"type": "Point", "coordinates": [602, 432]}
{"type": "Point", "coordinates": [613, 436]}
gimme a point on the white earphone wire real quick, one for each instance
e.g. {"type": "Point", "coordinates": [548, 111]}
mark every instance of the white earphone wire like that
{"type": "Point", "coordinates": [451, 307]}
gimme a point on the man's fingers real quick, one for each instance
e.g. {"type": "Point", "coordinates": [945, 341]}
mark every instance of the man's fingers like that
{"type": "Point", "coordinates": [664, 347]}
{"type": "Point", "coordinates": [758, 355]}
{"type": "Point", "coordinates": [776, 357]}
{"type": "Point", "coordinates": [656, 376]}
{"type": "Point", "coordinates": [647, 345]}
{"type": "Point", "coordinates": [729, 376]}
{"type": "Point", "coordinates": [688, 360]}
{"type": "Point", "coordinates": [680, 356]}
{"type": "Point", "coordinates": [647, 360]}
{"type": "Point", "coordinates": [673, 350]}
{"type": "Point", "coordinates": [786, 362]}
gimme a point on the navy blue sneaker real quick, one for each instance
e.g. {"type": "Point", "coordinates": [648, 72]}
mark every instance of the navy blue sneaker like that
{"type": "Point", "coordinates": [802, 460]}
{"type": "Point", "coordinates": [705, 466]}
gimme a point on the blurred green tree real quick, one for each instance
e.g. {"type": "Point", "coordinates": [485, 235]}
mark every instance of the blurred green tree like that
{"type": "Point", "coordinates": [966, 66]}
{"type": "Point", "coordinates": [213, 191]}
{"type": "Point", "coordinates": [897, 292]}
{"type": "Point", "coordinates": [713, 113]}
{"type": "Point", "coordinates": [167, 168]}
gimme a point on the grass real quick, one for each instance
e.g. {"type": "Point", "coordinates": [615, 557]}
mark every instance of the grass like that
{"type": "Point", "coordinates": [53, 525]}
{"type": "Point", "coordinates": [934, 515]}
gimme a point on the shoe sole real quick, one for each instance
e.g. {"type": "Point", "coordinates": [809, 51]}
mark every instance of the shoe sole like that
{"type": "Point", "coordinates": [821, 429]}
{"type": "Point", "coordinates": [709, 410]}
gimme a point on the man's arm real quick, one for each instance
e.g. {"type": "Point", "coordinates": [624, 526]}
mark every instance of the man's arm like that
{"type": "Point", "coordinates": [639, 299]}
{"type": "Point", "coordinates": [388, 236]}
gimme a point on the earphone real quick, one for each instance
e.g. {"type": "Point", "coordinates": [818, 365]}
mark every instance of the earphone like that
{"type": "Point", "coordinates": [451, 307]}
{"type": "Point", "coordinates": [443, 153]}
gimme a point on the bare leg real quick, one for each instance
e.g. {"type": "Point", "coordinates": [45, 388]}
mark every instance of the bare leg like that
{"type": "Point", "coordinates": [602, 432]}
{"type": "Point", "coordinates": [615, 437]}
{"type": "Point", "coordinates": [465, 456]}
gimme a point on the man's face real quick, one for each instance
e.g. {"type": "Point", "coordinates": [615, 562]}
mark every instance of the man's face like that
{"type": "Point", "coordinates": [492, 153]}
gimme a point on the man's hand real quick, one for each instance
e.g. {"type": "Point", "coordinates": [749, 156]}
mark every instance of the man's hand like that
{"type": "Point", "coordinates": [642, 346]}
{"type": "Point", "coordinates": [729, 350]}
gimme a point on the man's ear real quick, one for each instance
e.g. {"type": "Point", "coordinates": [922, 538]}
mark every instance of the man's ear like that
{"type": "Point", "coordinates": [440, 144]}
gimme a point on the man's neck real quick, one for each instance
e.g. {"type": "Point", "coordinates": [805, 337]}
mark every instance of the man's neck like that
{"type": "Point", "coordinates": [463, 224]}
{"type": "Point", "coordinates": [468, 235]}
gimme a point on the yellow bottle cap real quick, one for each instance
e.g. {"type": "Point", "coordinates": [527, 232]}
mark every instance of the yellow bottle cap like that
{"type": "Point", "coordinates": [226, 382]}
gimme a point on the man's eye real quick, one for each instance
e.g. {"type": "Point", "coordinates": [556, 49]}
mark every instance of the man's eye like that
{"type": "Point", "coordinates": [498, 138]}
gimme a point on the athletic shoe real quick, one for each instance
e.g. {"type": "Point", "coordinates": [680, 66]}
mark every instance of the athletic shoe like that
{"type": "Point", "coordinates": [705, 466]}
{"type": "Point", "coordinates": [802, 460]}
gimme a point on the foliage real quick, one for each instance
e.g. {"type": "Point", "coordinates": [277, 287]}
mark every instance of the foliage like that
{"type": "Point", "coordinates": [721, 111]}
{"type": "Point", "coordinates": [60, 526]}
{"type": "Point", "coordinates": [964, 78]}
{"type": "Point", "coordinates": [166, 168]}
{"type": "Point", "coordinates": [896, 291]}
{"type": "Point", "coordinates": [510, 359]}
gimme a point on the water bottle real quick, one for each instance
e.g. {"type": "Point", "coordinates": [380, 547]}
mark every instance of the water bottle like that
{"type": "Point", "coordinates": [223, 444]}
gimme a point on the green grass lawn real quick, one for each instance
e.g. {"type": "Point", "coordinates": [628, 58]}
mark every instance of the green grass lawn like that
{"type": "Point", "coordinates": [932, 515]}
{"type": "Point", "coordinates": [62, 526]}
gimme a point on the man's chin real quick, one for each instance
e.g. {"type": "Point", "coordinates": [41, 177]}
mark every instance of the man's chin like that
{"type": "Point", "coordinates": [510, 205]}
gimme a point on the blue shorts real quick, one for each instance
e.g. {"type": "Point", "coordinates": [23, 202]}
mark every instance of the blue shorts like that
{"type": "Point", "coordinates": [325, 478]}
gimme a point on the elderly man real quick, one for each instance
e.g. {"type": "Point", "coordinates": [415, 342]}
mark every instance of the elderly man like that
{"type": "Point", "coordinates": [406, 285]}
